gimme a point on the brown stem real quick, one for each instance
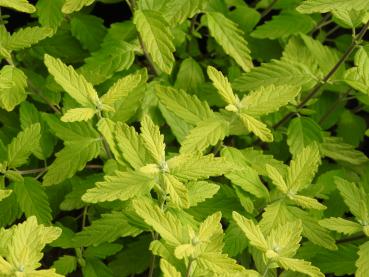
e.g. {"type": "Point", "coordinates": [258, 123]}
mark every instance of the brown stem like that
{"type": "Point", "coordinates": [268, 9]}
{"type": "Point", "coordinates": [333, 107]}
{"type": "Point", "coordinates": [326, 78]}
{"type": "Point", "coordinates": [320, 24]}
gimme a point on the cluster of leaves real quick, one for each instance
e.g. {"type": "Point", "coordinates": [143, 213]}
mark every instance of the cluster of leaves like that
{"type": "Point", "coordinates": [198, 138]}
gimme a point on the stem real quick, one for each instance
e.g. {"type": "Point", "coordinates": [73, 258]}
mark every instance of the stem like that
{"type": "Point", "coordinates": [333, 107]}
{"type": "Point", "coordinates": [155, 236]}
{"type": "Point", "coordinates": [44, 169]}
{"type": "Point", "coordinates": [349, 239]}
{"type": "Point", "coordinates": [266, 270]}
{"type": "Point", "coordinates": [189, 268]}
{"type": "Point", "coordinates": [326, 78]}
{"type": "Point", "coordinates": [320, 24]}
{"type": "Point", "coordinates": [268, 9]}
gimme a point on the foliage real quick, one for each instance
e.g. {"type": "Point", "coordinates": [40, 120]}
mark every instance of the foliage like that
{"type": "Point", "coordinates": [192, 138]}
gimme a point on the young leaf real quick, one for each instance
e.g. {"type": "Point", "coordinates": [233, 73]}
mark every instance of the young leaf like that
{"type": "Point", "coordinates": [231, 38]}
{"type": "Point", "coordinates": [71, 6]}
{"type": "Point", "coordinates": [277, 178]}
{"type": "Point", "coordinates": [19, 5]}
{"type": "Point", "coordinates": [72, 82]}
{"type": "Point", "coordinates": [33, 200]}
{"type": "Point", "coordinates": [121, 186]}
{"type": "Point", "coordinates": [362, 262]}
{"type": "Point", "coordinates": [153, 140]}
{"type": "Point", "coordinates": [223, 86]}
{"type": "Point", "coordinates": [20, 148]}
{"type": "Point", "coordinates": [177, 11]}
{"type": "Point", "coordinates": [78, 114]}
{"type": "Point", "coordinates": [25, 38]}
{"type": "Point", "coordinates": [300, 266]}
{"type": "Point", "coordinates": [257, 127]}
{"type": "Point", "coordinates": [188, 107]}
{"type": "Point", "coordinates": [156, 37]}
{"type": "Point", "coordinates": [341, 225]}
{"type": "Point", "coordinates": [323, 6]}
{"type": "Point", "coordinates": [177, 191]}
{"type": "Point", "coordinates": [251, 231]}
{"type": "Point", "coordinates": [268, 99]}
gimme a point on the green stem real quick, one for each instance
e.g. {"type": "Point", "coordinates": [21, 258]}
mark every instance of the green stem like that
{"type": "Point", "coordinates": [189, 268]}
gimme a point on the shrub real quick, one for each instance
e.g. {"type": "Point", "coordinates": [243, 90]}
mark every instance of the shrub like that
{"type": "Point", "coordinates": [194, 138]}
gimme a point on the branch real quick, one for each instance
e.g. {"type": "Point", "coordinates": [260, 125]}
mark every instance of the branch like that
{"type": "Point", "coordinates": [350, 239]}
{"type": "Point", "coordinates": [318, 86]}
{"type": "Point", "coordinates": [268, 9]}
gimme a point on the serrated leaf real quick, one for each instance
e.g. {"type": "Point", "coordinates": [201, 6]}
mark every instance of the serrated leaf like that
{"type": "Point", "coordinates": [274, 214]}
{"type": "Point", "coordinates": [153, 140]}
{"type": "Point", "coordinates": [65, 264]}
{"type": "Point", "coordinates": [33, 200]}
{"type": "Point", "coordinates": [72, 158]}
{"type": "Point", "coordinates": [362, 262]}
{"type": "Point", "coordinates": [306, 202]}
{"type": "Point", "coordinates": [14, 92]}
{"type": "Point", "coordinates": [277, 178]}
{"type": "Point", "coordinates": [323, 6]}
{"type": "Point", "coordinates": [354, 197]}
{"type": "Point", "coordinates": [257, 127]}
{"type": "Point", "coordinates": [336, 149]}
{"type": "Point", "coordinates": [71, 6]}
{"type": "Point", "coordinates": [275, 73]}
{"type": "Point", "coordinates": [268, 99]}
{"type": "Point", "coordinates": [188, 107]}
{"type": "Point", "coordinates": [4, 193]}
{"type": "Point", "coordinates": [89, 30]}
{"type": "Point", "coordinates": [341, 225]}
{"type": "Point", "coordinates": [218, 263]}
{"type": "Point", "coordinates": [284, 24]}
{"type": "Point", "coordinates": [199, 191]}
{"type": "Point", "coordinates": [222, 85]}
{"type": "Point", "coordinates": [303, 131]}
{"type": "Point", "coordinates": [251, 231]}
{"type": "Point", "coordinates": [156, 37]}
{"type": "Point", "coordinates": [358, 76]}
{"type": "Point", "coordinates": [121, 88]}
{"type": "Point", "coordinates": [231, 38]}
{"type": "Point", "coordinates": [19, 5]}
{"type": "Point", "coordinates": [72, 82]}
{"type": "Point", "coordinates": [121, 186]}
{"type": "Point", "coordinates": [177, 11]}
{"type": "Point", "coordinates": [78, 114]}
{"type": "Point", "coordinates": [168, 226]}
{"type": "Point", "coordinates": [25, 38]}
{"type": "Point", "coordinates": [108, 228]}
{"type": "Point", "coordinates": [49, 13]}
{"type": "Point", "coordinates": [207, 132]}
{"type": "Point", "coordinates": [177, 191]}
{"type": "Point", "coordinates": [303, 168]}
{"type": "Point", "coordinates": [190, 76]}
{"type": "Point", "coordinates": [168, 270]}
{"type": "Point", "coordinates": [20, 148]}
{"type": "Point", "coordinates": [194, 167]}
{"type": "Point", "coordinates": [300, 266]}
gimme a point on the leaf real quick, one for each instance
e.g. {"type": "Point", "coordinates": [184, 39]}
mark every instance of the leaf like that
{"type": "Point", "coordinates": [108, 228]}
{"type": "Point", "coordinates": [168, 226]}
{"type": "Point", "coordinates": [274, 214]}
{"type": "Point", "coordinates": [168, 269]}
{"type": "Point", "coordinates": [25, 38]}
{"type": "Point", "coordinates": [153, 140]}
{"type": "Point", "coordinates": [207, 132]}
{"type": "Point", "coordinates": [336, 149]}
{"type": "Point", "coordinates": [78, 114]}
{"type": "Point", "coordinates": [20, 148]}
{"type": "Point", "coordinates": [177, 11]}
{"type": "Point", "coordinates": [283, 25]}
{"type": "Point", "coordinates": [156, 37]}
{"type": "Point", "coordinates": [354, 197]}
{"type": "Point", "coordinates": [121, 186]}
{"type": "Point", "coordinates": [177, 191]}
{"type": "Point", "coordinates": [73, 83]}
{"type": "Point", "coordinates": [194, 167]}
{"type": "Point", "coordinates": [19, 5]}
{"type": "Point", "coordinates": [121, 88]}
{"type": "Point", "coordinates": [65, 264]}
{"type": "Point", "coordinates": [277, 178]}
{"type": "Point", "coordinates": [218, 263]}
{"type": "Point", "coordinates": [251, 231]}
{"type": "Point", "coordinates": [4, 193]}
{"type": "Point", "coordinates": [276, 73]}
{"type": "Point", "coordinates": [231, 38]}
{"type": "Point", "coordinates": [362, 262]}
{"type": "Point", "coordinates": [223, 86]}
{"type": "Point", "coordinates": [268, 99]}
{"type": "Point", "coordinates": [300, 266]}
{"type": "Point", "coordinates": [190, 75]}
{"type": "Point", "coordinates": [71, 6]}
{"type": "Point", "coordinates": [14, 92]}
{"type": "Point", "coordinates": [323, 6]}
{"type": "Point", "coordinates": [89, 30]}
{"type": "Point", "coordinates": [72, 158]}
{"type": "Point", "coordinates": [303, 131]}
{"type": "Point", "coordinates": [49, 13]}
{"type": "Point", "coordinates": [303, 168]}
{"type": "Point", "coordinates": [257, 127]}
{"type": "Point", "coordinates": [131, 146]}
{"type": "Point", "coordinates": [358, 76]}
{"type": "Point", "coordinates": [200, 191]}
{"type": "Point", "coordinates": [33, 200]}
{"type": "Point", "coordinates": [187, 107]}
{"type": "Point", "coordinates": [341, 225]}
{"type": "Point", "coordinates": [306, 202]}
